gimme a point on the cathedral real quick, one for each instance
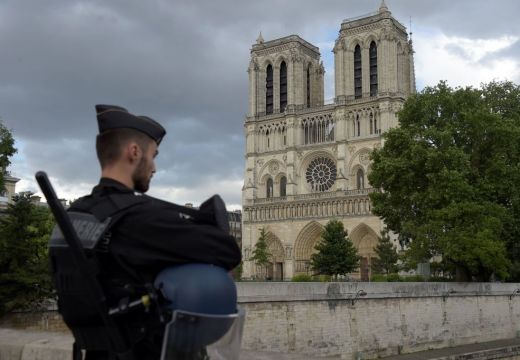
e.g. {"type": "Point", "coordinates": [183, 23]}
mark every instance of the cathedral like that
{"type": "Point", "coordinates": [307, 161]}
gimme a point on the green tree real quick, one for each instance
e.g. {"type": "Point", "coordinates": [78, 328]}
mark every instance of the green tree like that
{"type": "Point", "coordinates": [24, 266]}
{"type": "Point", "coordinates": [336, 254]}
{"type": "Point", "coordinates": [387, 257]}
{"type": "Point", "coordinates": [7, 150]}
{"type": "Point", "coordinates": [261, 255]}
{"type": "Point", "coordinates": [450, 178]}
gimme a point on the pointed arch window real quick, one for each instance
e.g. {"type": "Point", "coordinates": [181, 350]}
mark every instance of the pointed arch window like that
{"type": "Point", "coordinates": [357, 72]}
{"type": "Point", "coordinates": [318, 129]}
{"type": "Point", "coordinates": [358, 127]}
{"type": "Point", "coordinates": [269, 90]}
{"type": "Point", "coordinates": [283, 86]}
{"type": "Point", "coordinates": [269, 188]}
{"type": "Point", "coordinates": [308, 86]}
{"type": "Point", "coordinates": [360, 179]}
{"type": "Point", "coordinates": [371, 124]}
{"type": "Point", "coordinates": [283, 186]}
{"type": "Point", "coordinates": [373, 69]}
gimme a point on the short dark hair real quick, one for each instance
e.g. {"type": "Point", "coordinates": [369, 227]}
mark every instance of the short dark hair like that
{"type": "Point", "coordinates": [110, 143]}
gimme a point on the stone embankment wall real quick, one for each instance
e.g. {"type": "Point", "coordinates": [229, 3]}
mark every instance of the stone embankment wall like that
{"type": "Point", "coordinates": [324, 319]}
{"type": "Point", "coordinates": [392, 318]}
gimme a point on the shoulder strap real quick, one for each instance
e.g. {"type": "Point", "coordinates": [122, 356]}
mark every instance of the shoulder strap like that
{"type": "Point", "coordinates": [103, 207]}
{"type": "Point", "coordinates": [117, 205]}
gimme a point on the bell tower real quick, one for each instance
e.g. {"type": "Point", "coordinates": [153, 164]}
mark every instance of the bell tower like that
{"type": "Point", "coordinates": [284, 74]}
{"type": "Point", "coordinates": [373, 58]}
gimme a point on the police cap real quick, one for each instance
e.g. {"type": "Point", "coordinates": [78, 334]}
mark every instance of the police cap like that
{"type": "Point", "coordinates": [115, 117]}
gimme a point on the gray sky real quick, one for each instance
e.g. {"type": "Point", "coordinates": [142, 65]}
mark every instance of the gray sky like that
{"type": "Point", "coordinates": [184, 64]}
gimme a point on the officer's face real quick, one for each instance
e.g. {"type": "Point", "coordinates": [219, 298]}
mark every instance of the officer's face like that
{"type": "Point", "coordinates": [145, 168]}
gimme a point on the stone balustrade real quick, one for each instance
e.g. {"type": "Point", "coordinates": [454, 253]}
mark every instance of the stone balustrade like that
{"type": "Point", "coordinates": [313, 205]}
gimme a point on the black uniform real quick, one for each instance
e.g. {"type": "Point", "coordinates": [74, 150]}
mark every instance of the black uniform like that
{"type": "Point", "coordinates": [153, 234]}
{"type": "Point", "coordinates": [148, 236]}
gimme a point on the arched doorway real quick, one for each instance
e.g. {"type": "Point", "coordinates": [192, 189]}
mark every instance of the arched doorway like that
{"type": "Point", "coordinates": [365, 240]}
{"type": "Point", "coordinates": [275, 270]}
{"type": "Point", "coordinates": [307, 239]}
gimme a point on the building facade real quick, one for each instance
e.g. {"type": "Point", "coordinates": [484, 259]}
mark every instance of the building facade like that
{"type": "Point", "coordinates": [7, 193]}
{"type": "Point", "coordinates": [306, 161]}
{"type": "Point", "coordinates": [235, 223]}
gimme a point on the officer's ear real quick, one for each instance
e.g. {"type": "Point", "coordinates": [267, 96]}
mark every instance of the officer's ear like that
{"type": "Point", "coordinates": [132, 151]}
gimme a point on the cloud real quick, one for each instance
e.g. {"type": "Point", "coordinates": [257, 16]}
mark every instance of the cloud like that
{"type": "Point", "coordinates": [184, 64]}
{"type": "Point", "coordinates": [463, 61]}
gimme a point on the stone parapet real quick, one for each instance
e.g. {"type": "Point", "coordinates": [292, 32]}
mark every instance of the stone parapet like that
{"type": "Point", "coordinates": [312, 291]}
{"type": "Point", "coordinates": [359, 320]}
{"type": "Point", "coordinates": [313, 206]}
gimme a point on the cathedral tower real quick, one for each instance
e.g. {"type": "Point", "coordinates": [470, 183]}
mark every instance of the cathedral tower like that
{"type": "Point", "coordinates": [307, 162]}
{"type": "Point", "coordinates": [284, 74]}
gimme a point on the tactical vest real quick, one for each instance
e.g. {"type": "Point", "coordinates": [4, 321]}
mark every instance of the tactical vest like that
{"type": "Point", "coordinates": [93, 217]}
{"type": "Point", "coordinates": [93, 224]}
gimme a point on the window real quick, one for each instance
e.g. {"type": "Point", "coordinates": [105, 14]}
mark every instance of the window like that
{"type": "Point", "coordinates": [318, 129]}
{"type": "Point", "coordinates": [376, 130]}
{"type": "Point", "coordinates": [283, 86]}
{"type": "Point", "coordinates": [360, 179]}
{"type": "Point", "coordinates": [321, 174]}
{"type": "Point", "coordinates": [358, 127]}
{"type": "Point", "coordinates": [373, 69]}
{"type": "Point", "coordinates": [269, 188]}
{"type": "Point", "coordinates": [309, 86]}
{"type": "Point", "coordinates": [269, 90]}
{"type": "Point", "coordinates": [371, 124]}
{"type": "Point", "coordinates": [283, 186]}
{"type": "Point", "coordinates": [357, 72]}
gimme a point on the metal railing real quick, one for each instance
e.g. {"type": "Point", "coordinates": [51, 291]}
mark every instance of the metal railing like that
{"type": "Point", "coordinates": [360, 16]}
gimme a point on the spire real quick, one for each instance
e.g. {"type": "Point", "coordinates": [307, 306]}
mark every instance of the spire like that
{"type": "Point", "coordinates": [383, 7]}
{"type": "Point", "coordinates": [410, 41]}
{"type": "Point", "coordinates": [260, 39]}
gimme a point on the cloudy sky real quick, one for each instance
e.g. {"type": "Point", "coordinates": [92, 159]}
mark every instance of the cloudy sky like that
{"type": "Point", "coordinates": [184, 64]}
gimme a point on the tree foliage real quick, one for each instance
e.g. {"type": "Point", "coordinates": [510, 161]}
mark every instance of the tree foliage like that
{"type": "Point", "coordinates": [336, 255]}
{"type": "Point", "coordinates": [7, 150]}
{"type": "Point", "coordinates": [387, 257]}
{"type": "Point", "coordinates": [261, 255]}
{"type": "Point", "coordinates": [450, 178]}
{"type": "Point", "coordinates": [24, 266]}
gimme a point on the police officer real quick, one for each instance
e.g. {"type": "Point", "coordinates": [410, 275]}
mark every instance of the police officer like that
{"type": "Point", "coordinates": [148, 234]}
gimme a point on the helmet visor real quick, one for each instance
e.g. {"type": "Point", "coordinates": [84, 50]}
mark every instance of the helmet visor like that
{"type": "Point", "coordinates": [196, 336]}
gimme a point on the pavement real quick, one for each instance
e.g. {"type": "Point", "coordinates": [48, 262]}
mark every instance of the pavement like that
{"type": "Point", "coordinates": [497, 349]}
{"type": "Point", "coordinates": [40, 345]}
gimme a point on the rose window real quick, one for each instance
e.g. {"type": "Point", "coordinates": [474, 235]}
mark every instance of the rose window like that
{"type": "Point", "coordinates": [321, 174]}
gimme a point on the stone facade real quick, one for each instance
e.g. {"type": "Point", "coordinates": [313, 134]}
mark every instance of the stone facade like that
{"type": "Point", "coordinates": [235, 225]}
{"type": "Point", "coordinates": [6, 195]}
{"type": "Point", "coordinates": [307, 162]}
{"type": "Point", "coordinates": [359, 320]}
